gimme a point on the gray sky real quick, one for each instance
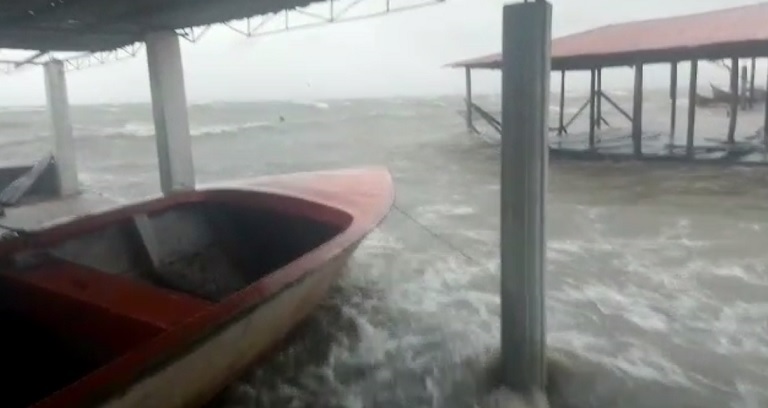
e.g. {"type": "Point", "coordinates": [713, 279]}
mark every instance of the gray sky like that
{"type": "Point", "coordinates": [395, 55]}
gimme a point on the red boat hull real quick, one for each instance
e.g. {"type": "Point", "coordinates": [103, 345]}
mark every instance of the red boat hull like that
{"type": "Point", "coordinates": [162, 348]}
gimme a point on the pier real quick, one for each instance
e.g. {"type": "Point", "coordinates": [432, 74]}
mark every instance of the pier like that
{"type": "Point", "coordinates": [685, 40]}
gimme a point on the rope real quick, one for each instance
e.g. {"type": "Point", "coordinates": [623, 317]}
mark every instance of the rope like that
{"type": "Point", "coordinates": [436, 235]}
{"type": "Point", "coordinates": [19, 231]}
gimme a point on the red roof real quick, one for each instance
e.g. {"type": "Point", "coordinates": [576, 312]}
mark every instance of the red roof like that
{"type": "Point", "coordinates": [735, 32]}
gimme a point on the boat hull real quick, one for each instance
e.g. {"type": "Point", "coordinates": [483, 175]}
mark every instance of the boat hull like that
{"type": "Point", "coordinates": [206, 368]}
{"type": "Point", "coordinates": [726, 96]}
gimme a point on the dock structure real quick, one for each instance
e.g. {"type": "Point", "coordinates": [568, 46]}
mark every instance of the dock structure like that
{"type": "Point", "coordinates": [95, 25]}
{"type": "Point", "coordinates": [100, 31]}
{"type": "Point", "coordinates": [737, 35]}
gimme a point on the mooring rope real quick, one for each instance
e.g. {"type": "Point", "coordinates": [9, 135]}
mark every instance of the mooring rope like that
{"type": "Point", "coordinates": [436, 235]}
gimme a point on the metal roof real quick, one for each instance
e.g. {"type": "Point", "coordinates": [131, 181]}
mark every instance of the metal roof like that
{"type": "Point", "coordinates": [735, 32]}
{"type": "Point", "coordinates": [97, 25]}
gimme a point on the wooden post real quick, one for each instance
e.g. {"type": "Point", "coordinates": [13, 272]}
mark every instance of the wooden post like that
{"type": "Point", "coordinates": [744, 92]}
{"type": "Point", "coordinates": [734, 100]}
{"type": "Point", "coordinates": [599, 96]}
{"type": "Point", "coordinates": [765, 121]}
{"type": "Point", "coordinates": [524, 156]}
{"type": "Point", "coordinates": [468, 98]}
{"type": "Point", "coordinates": [673, 109]}
{"type": "Point", "coordinates": [752, 68]}
{"type": "Point", "coordinates": [637, 113]}
{"type": "Point", "coordinates": [592, 87]}
{"type": "Point", "coordinates": [692, 87]}
{"type": "Point", "coordinates": [561, 125]}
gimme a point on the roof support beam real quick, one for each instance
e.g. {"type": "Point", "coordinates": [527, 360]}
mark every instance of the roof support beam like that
{"type": "Point", "coordinates": [61, 127]}
{"type": "Point", "coordinates": [169, 108]}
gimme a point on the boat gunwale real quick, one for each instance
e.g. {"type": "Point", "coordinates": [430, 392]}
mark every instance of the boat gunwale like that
{"type": "Point", "coordinates": [367, 210]}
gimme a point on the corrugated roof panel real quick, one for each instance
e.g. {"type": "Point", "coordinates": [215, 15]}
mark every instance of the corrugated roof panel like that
{"type": "Point", "coordinates": [735, 32]}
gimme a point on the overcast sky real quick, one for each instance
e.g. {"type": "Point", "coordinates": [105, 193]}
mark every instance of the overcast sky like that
{"type": "Point", "coordinates": [394, 55]}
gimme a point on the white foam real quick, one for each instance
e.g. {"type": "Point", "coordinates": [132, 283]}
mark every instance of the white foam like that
{"type": "Point", "coordinates": [431, 213]}
{"type": "Point", "coordinates": [315, 104]}
{"type": "Point", "coordinates": [146, 129]}
{"type": "Point", "coordinates": [22, 109]}
{"type": "Point", "coordinates": [627, 302]}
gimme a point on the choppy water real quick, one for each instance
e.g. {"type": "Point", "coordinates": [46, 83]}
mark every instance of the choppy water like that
{"type": "Point", "coordinates": [657, 276]}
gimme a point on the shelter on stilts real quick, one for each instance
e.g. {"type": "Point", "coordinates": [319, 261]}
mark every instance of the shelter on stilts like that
{"type": "Point", "coordinates": [738, 35]}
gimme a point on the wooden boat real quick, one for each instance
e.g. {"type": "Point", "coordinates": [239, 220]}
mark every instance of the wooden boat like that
{"type": "Point", "coordinates": [724, 96]}
{"type": "Point", "coordinates": [163, 302]}
{"type": "Point", "coordinates": [721, 95]}
{"type": "Point", "coordinates": [761, 94]}
{"type": "Point", "coordinates": [705, 101]}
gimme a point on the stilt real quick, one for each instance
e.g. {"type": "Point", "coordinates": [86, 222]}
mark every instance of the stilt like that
{"type": "Point", "coordinates": [599, 96]}
{"type": "Point", "coordinates": [561, 125]}
{"type": "Point", "coordinates": [61, 127]}
{"type": "Point", "coordinates": [673, 108]}
{"type": "Point", "coordinates": [734, 100]}
{"type": "Point", "coordinates": [592, 87]}
{"type": "Point", "coordinates": [765, 120]}
{"type": "Point", "coordinates": [637, 113]}
{"type": "Point", "coordinates": [692, 87]}
{"type": "Point", "coordinates": [525, 94]}
{"type": "Point", "coordinates": [169, 108]}
{"type": "Point", "coordinates": [744, 92]}
{"type": "Point", "coordinates": [752, 69]}
{"type": "Point", "coordinates": [468, 98]}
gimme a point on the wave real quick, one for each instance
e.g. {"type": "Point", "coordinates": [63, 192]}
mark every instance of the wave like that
{"type": "Point", "coordinates": [6, 141]}
{"type": "Point", "coordinates": [144, 129]}
{"type": "Point", "coordinates": [21, 109]}
{"type": "Point", "coordinates": [315, 104]}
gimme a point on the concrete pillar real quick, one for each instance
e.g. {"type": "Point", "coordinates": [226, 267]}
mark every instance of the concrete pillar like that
{"type": "Point", "coordinates": [524, 161]}
{"type": "Point", "coordinates": [61, 127]}
{"type": "Point", "coordinates": [169, 108]}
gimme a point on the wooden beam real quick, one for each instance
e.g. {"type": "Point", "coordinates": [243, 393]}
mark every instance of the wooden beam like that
{"type": "Point", "coordinates": [673, 108]}
{"type": "Point", "coordinates": [692, 94]}
{"type": "Point", "coordinates": [592, 87]}
{"type": "Point", "coordinates": [734, 106]}
{"type": "Point", "coordinates": [637, 113]}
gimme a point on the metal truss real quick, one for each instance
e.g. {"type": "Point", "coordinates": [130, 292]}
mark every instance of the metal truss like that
{"type": "Point", "coordinates": [72, 61]}
{"type": "Point", "coordinates": [88, 60]}
{"type": "Point", "coordinates": [315, 15]}
{"type": "Point", "coordinates": [328, 12]}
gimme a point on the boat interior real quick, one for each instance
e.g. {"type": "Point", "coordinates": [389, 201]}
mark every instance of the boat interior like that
{"type": "Point", "coordinates": [99, 290]}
